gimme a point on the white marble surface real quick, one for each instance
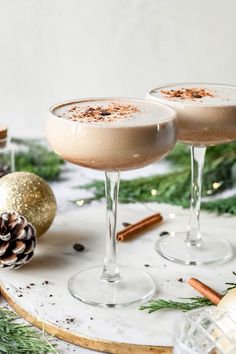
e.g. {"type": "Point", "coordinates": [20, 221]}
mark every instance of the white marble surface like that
{"type": "Point", "coordinates": [55, 261]}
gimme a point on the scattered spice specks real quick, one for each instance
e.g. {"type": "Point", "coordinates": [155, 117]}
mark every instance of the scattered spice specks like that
{"type": "Point", "coordinates": [126, 224]}
{"type": "Point", "coordinates": [70, 320]}
{"type": "Point", "coordinates": [78, 247]}
{"type": "Point", "coordinates": [164, 233]}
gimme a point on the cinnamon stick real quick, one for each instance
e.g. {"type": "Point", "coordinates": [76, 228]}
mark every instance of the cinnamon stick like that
{"type": "Point", "coordinates": [205, 290]}
{"type": "Point", "coordinates": [139, 227]}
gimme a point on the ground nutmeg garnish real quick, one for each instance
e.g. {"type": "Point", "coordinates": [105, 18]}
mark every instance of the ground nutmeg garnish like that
{"type": "Point", "coordinates": [188, 93]}
{"type": "Point", "coordinates": [106, 113]}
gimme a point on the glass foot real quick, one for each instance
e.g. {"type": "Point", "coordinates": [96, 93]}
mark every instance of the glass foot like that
{"type": "Point", "coordinates": [133, 288]}
{"type": "Point", "coordinates": [213, 250]}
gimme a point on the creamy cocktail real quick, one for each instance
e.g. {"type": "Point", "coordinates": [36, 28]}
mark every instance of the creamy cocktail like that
{"type": "Point", "coordinates": [206, 112]}
{"type": "Point", "coordinates": [111, 135]}
{"type": "Point", "coordinates": [206, 116]}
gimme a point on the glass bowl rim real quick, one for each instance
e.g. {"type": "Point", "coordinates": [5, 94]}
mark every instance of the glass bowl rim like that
{"type": "Point", "coordinates": [172, 117]}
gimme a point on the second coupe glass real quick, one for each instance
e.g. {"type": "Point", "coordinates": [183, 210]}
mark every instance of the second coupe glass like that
{"type": "Point", "coordinates": [203, 121]}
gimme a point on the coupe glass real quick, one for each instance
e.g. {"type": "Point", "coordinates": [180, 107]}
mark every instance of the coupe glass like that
{"type": "Point", "coordinates": [201, 124]}
{"type": "Point", "coordinates": [146, 136]}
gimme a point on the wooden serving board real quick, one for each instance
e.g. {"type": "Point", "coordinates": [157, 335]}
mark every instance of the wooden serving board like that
{"type": "Point", "coordinates": [38, 291]}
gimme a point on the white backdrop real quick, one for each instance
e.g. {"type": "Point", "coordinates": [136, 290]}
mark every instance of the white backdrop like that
{"type": "Point", "coordinates": [52, 50]}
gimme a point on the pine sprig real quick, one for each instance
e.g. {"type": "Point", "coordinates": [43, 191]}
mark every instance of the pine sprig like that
{"type": "Point", "coordinates": [168, 186]}
{"type": "Point", "coordinates": [221, 206]}
{"type": "Point", "coordinates": [161, 304]}
{"type": "Point", "coordinates": [34, 156]}
{"type": "Point", "coordinates": [231, 285]}
{"type": "Point", "coordinates": [191, 304]}
{"type": "Point", "coordinates": [174, 187]}
{"type": "Point", "coordinates": [21, 338]}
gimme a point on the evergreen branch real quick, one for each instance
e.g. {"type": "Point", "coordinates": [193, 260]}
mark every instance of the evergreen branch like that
{"type": "Point", "coordinates": [21, 338]}
{"type": "Point", "coordinates": [174, 187]}
{"type": "Point", "coordinates": [191, 304]}
{"type": "Point", "coordinates": [232, 285]}
{"type": "Point", "coordinates": [35, 157]}
{"type": "Point", "coordinates": [137, 191]}
{"type": "Point", "coordinates": [161, 304]}
{"type": "Point", "coordinates": [169, 188]}
{"type": "Point", "coordinates": [221, 206]}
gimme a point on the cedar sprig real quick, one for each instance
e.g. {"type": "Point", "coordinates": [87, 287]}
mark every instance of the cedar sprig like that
{"type": "Point", "coordinates": [21, 338]}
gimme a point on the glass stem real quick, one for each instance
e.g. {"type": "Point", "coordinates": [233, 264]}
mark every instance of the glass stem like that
{"type": "Point", "coordinates": [194, 237]}
{"type": "Point", "coordinates": [110, 269]}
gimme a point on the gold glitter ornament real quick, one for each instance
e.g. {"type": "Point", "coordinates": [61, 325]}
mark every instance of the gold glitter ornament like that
{"type": "Point", "coordinates": [30, 196]}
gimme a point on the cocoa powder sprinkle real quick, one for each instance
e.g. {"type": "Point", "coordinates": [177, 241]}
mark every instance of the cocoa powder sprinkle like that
{"type": "Point", "coordinates": [188, 93]}
{"type": "Point", "coordinates": [110, 113]}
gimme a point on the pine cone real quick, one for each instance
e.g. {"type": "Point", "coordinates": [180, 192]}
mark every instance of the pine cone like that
{"type": "Point", "coordinates": [17, 240]}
